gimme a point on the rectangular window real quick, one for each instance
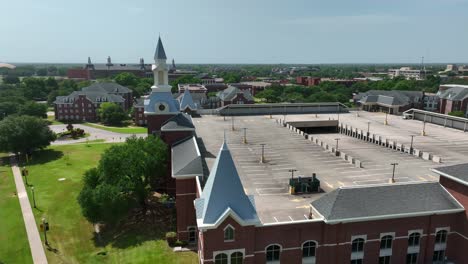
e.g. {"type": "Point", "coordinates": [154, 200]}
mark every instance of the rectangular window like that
{"type": "Point", "coordinates": [356, 261]}
{"type": "Point", "coordinates": [412, 258]}
{"type": "Point", "coordinates": [384, 260]}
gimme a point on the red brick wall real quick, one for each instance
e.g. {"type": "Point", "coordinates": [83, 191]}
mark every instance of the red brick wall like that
{"type": "Point", "coordinates": [155, 121]}
{"type": "Point", "coordinates": [185, 194]}
{"type": "Point", "coordinates": [78, 74]}
{"type": "Point", "coordinates": [337, 237]}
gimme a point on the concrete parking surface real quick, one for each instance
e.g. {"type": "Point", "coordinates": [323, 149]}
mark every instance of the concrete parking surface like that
{"type": "Point", "coordinates": [285, 150]}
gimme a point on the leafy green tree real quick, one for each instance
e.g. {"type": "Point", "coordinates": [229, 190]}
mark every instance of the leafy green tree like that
{"type": "Point", "coordinates": [183, 80]}
{"type": "Point", "coordinates": [11, 79]}
{"type": "Point", "coordinates": [23, 134]}
{"type": "Point", "coordinates": [124, 178]}
{"type": "Point", "coordinates": [41, 72]}
{"type": "Point", "coordinates": [33, 109]}
{"type": "Point", "coordinates": [112, 114]}
{"type": "Point", "coordinates": [8, 108]}
{"type": "Point", "coordinates": [126, 79]}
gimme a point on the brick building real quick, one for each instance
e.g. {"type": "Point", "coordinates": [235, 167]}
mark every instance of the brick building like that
{"type": "Point", "coordinates": [307, 80]}
{"type": "Point", "coordinates": [453, 97]}
{"type": "Point", "coordinates": [83, 105]}
{"type": "Point", "coordinates": [392, 102]}
{"type": "Point", "coordinates": [409, 222]}
{"type": "Point", "coordinates": [234, 95]}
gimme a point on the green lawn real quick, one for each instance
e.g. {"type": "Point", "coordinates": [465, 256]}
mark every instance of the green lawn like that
{"type": "Point", "coordinates": [124, 130]}
{"type": "Point", "coordinates": [14, 246]}
{"type": "Point", "coordinates": [71, 236]}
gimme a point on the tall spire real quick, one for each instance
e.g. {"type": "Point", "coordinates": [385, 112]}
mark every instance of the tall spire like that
{"type": "Point", "coordinates": [160, 54]}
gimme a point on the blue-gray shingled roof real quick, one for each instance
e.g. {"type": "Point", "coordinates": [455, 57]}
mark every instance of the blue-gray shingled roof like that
{"type": "Point", "coordinates": [187, 101]}
{"type": "Point", "coordinates": [223, 191]}
{"type": "Point", "coordinates": [358, 203]}
{"type": "Point", "coordinates": [459, 171]}
{"type": "Point", "coordinates": [156, 97]}
{"type": "Point", "coordinates": [390, 97]}
{"type": "Point", "coordinates": [160, 54]}
{"type": "Point", "coordinates": [109, 87]}
{"type": "Point", "coordinates": [229, 93]}
{"type": "Point", "coordinates": [454, 93]}
{"type": "Point", "coordinates": [93, 96]}
{"type": "Point", "coordinates": [186, 159]}
{"type": "Point", "coordinates": [181, 121]}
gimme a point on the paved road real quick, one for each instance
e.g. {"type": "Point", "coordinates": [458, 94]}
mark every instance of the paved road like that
{"type": "Point", "coordinates": [35, 243]}
{"type": "Point", "coordinates": [94, 134]}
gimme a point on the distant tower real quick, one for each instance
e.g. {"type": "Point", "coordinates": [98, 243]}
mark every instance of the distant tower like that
{"type": "Point", "coordinates": [160, 105]}
{"type": "Point", "coordinates": [90, 65]}
{"type": "Point", "coordinates": [173, 65]}
{"type": "Point", "coordinates": [109, 62]}
{"type": "Point", "coordinates": [142, 64]}
{"type": "Point", "coordinates": [423, 69]}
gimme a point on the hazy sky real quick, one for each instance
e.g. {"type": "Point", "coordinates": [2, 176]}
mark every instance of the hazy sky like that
{"type": "Point", "coordinates": [236, 31]}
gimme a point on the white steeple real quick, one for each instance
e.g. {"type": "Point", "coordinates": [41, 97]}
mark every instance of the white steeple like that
{"type": "Point", "coordinates": [160, 70]}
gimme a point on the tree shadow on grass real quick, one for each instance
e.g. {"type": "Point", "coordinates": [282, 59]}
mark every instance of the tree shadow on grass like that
{"type": "Point", "coordinates": [43, 156]}
{"type": "Point", "coordinates": [138, 228]}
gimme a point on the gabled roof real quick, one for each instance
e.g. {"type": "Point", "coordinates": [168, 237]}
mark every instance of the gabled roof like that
{"type": "Point", "coordinates": [354, 204]}
{"type": "Point", "coordinates": [456, 172]}
{"type": "Point", "coordinates": [160, 54]}
{"type": "Point", "coordinates": [223, 195]}
{"type": "Point", "coordinates": [179, 122]}
{"type": "Point", "coordinates": [392, 98]}
{"type": "Point", "coordinates": [186, 159]}
{"type": "Point", "coordinates": [187, 101]}
{"type": "Point", "coordinates": [109, 87]}
{"type": "Point", "coordinates": [454, 92]}
{"type": "Point", "coordinates": [93, 96]}
{"type": "Point", "coordinates": [231, 92]}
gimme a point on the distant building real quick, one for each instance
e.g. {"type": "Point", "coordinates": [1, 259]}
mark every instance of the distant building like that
{"type": "Point", "coordinates": [407, 73]}
{"type": "Point", "coordinates": [453, 97]}
{"type": "Point", "coordinates": [392, 102]}
{"type": "Point", "coordinates": [307, 80]}
{"type": "Point", "coordinates": [431, 102]}
{"type": "Point", "coordinates": [234, 95]}
{"type": "Point", "coordinates": [257, 86]}
{"type": "Point", "coordinates": [93, 71]}
{"type": "Point", "coordinates": [83, 105]}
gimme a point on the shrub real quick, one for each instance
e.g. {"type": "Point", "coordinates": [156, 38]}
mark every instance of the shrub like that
{"type": "Point", "coordinates": [171, 238]}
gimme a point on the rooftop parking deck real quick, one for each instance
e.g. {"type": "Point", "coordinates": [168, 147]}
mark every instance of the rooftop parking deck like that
{"type": "Point", "coordinates": [285, 150]}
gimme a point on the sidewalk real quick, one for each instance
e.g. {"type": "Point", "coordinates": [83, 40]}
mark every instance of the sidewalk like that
{"type": "Point", "coordinates": [35, 243]}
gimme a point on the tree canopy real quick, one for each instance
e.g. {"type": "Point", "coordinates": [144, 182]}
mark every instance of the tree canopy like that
{"type": "Point", "coordinates": [23, 134]}
{"type": "Point", "coordinates": [112, 114]}
{"type": "Point", "coordinates": [123, 179]}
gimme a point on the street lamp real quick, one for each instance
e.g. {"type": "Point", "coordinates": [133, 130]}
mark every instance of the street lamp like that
{"type": "Point", "coordinates": [368, 128]}
{"type": "Point", "coordinates": [336, 149]}
{"type": "Point", "coordinates": [232, 123]}
{"type": "Point", "coordinates": [423, 133]}
{"type": "Point", "coordinates": [45, 227]}
{"type": "Point", "coordinates": [386, 118]}
{"type": "Point", "coordinates": [245, 135]}
{"type": "Point", "coordinates": [292, 173]}
{"type": "Point", "coordinates": [34, 198]}
{"type": "Point", "coordinates": [393, 174]}
{"type": "Point", "coordinates": [262, 158]}
{"type": "Point", "coordinates": [411, 146]}
{"type": "Point", "coordinates": [25, 174]}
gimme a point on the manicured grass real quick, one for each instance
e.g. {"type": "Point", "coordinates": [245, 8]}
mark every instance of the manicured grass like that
{"type": "Point", "coordinates": [52, 121]}
{"type": "Point", "coordinates": [14, 246]}
{"type": "Point", "coordinates": [124, 130]}
{"type": "Point", "coordinates": [71, 236]}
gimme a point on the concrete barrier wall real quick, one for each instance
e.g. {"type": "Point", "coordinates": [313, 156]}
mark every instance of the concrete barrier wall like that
{"type": "Point", "coordinates": [437, 159]}
{"type": "Point", "coordinates": [426, 156]}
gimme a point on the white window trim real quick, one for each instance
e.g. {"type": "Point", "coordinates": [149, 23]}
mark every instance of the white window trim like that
{"type": "Point", "coordinates": [309, 260]}
{"type": "Point", "coordinates": [229, 253]}
{"type": "Point", "coordinates": [233, 233]}
{"type": "Point", "coordinates": [360, 254]}
{"type": "Point", "coordinates": [281, 251]}
{"type": "Point", "coordinates": [441, 246]}
{"type": "Point", "coordinates": [415, 249]}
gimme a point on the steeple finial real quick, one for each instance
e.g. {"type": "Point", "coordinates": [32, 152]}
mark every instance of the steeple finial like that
{"type": "Point", "coordinates": [89, 60]}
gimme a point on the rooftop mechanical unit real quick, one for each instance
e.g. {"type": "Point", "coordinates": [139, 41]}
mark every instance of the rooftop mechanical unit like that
{"type": "Point", "coordinates": [303, 184]}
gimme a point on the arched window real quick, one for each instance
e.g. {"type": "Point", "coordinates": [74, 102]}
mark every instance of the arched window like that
{"type": "Point", "coordinates": [386, 242]}
{"type": "Point", "coordinates": [221, 259]}
{"type": "Point", "coordinates": [228, 233]}
{"type": "Point", "coordinates": [237, 258]}
{"type": "Point", "coordinates": [273, 253]}
{"type": "Point", "coordinates": [441, 237]}
{"type": "Point", "coordinates": [308, 249]}
{"type": "Point", "coordinates": [413, 239]}
{"type": "Point", "coordinates": [357, 245]}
